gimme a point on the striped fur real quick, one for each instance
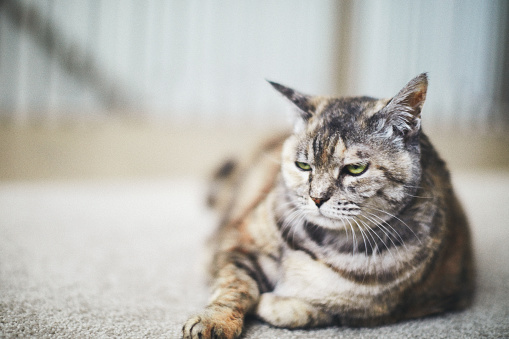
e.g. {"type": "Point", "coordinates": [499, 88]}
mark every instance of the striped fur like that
{"type": "Point", "coordinates": [304, 241]}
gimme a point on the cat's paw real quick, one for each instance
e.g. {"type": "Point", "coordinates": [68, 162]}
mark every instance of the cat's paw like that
{"type": "Point", "coordinates": [213, 324]}
{"type": "Point", "coordinates": [290, 312]}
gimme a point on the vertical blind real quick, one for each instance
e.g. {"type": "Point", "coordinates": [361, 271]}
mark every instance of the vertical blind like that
{"type": "Point", "coordinates": [207, 61]}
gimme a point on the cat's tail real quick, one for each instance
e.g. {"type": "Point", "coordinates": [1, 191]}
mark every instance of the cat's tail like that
{"type": "Point", "coordinates": [224, 186]}
{"type": "Point", "coordinates": [221, 185]}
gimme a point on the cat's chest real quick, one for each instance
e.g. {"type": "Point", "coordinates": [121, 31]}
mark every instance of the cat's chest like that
{"type": "Point", "coordinates": [309, 279]}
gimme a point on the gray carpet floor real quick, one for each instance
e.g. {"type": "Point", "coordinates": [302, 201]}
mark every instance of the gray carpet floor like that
{"type": "Point", "coordinates": [124, 259]}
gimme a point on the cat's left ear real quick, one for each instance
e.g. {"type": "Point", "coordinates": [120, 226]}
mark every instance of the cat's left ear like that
{"type": "Point", "coordinates": [302, 102]}
{"type": "Point", "coordinates": [403, 112]}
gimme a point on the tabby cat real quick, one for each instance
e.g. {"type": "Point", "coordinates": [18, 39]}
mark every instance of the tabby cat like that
{"type": "Point", "coordinates": [349, 220]}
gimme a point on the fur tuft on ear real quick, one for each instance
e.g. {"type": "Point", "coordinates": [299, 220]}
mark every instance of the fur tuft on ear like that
{"type": "Point", "coordinates": [403, 112]}
{"type": "Point", "coordinates": [300, 100]}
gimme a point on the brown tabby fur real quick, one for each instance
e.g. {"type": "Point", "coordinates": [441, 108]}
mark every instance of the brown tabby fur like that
{"type": "Point", "coordinates": [306, 242]}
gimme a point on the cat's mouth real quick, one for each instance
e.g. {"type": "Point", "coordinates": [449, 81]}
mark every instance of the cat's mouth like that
{"type": "Point", "coordinates": [338, 214]}
{"type": "Point", "coordinates": [328, 221]}
{"type": "Point", "coordinates": [334, 217]}
{"type": "Point", "coordinates": [339, 210]}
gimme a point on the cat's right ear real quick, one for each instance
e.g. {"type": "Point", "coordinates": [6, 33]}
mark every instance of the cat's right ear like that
{"type": "Point", "coordinates": [302, 102]}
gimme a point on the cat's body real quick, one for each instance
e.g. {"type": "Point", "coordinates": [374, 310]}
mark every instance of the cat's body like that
{"type": "Point", "coordinates": [350, 220]}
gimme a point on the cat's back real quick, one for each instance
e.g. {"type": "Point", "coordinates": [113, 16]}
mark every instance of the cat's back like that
{"type": "Point", "coordinates": [239, 185]}
{"type": "Point", "coordinates": [448, 282]}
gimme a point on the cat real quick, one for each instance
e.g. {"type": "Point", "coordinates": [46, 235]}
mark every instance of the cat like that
{"type": "Point", "coordinates": [349, 220]}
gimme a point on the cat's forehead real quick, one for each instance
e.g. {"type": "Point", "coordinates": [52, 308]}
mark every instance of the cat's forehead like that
{"type": "Point", "coordinates": [349, 106]}
{"type": "Point", "coordinates": [324, 149]}
{"type": "Point", "coordinates": [342, 115]}
{"type": "Point", "coordinates": [346, 117]}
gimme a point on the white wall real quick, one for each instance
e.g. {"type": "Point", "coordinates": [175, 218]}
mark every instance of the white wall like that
{"type": "Point", "coordinates": [185, 59]}
{"type": "Point", "coordinates": [455, 41]}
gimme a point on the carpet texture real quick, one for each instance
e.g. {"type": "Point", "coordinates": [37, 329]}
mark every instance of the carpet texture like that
{"type": "Point", "coordinates": [124, 259]}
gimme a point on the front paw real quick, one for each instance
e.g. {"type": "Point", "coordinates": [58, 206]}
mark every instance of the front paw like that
{"type": "Point", "coordinates": [215, 324]}
{"type": "Point", "coordinates": [290, 312]}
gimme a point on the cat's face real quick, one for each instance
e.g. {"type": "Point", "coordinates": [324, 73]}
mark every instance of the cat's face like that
{"type": "Point", "coordinates": [354, 157]}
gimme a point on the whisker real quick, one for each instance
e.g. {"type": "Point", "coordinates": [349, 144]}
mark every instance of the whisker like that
{"type": "Point", "coordinates": [369, 233]}
{"type": "Point", "coordinates": [411, 186]}
{"type": "Point", "coordinates": [395, 217]}
{"type": "Point", "coordinates": [289, 221]}
{"type": "Point", "coordinates": [354, 242]}
{"type": "Point", "coordinates": [418, 196]}
{"type": "Point", "coordinates": [363, 238]}
{"type": "Point", "coordinates": [381, 228]}
{"type": "Point", "coordinates": [299, 221]}
{"type": "Point", "coordinates": [385, 222]}
{"type": "Point", "coordinates": [344, 226]}
{"type": "Point", "coordinates": [288, 218]}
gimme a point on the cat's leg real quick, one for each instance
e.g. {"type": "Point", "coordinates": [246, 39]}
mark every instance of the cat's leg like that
{"type": "Point", "coordinates": [290, 312]}
{"type": "Point", "coordinates": [235, 294]}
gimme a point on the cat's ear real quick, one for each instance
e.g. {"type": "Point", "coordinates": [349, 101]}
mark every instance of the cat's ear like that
{"type": "Point", "coordinates": [302, 102]}
{"type": "Point", "coordinates": [403, 112]}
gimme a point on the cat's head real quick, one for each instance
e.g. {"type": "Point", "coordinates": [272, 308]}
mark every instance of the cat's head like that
{"type": "Point", "coordinates": [351, 156]}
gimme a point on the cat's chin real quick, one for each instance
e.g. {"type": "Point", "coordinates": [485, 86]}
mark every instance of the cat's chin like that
{"type": "Point", "coordinates": [329, 223]}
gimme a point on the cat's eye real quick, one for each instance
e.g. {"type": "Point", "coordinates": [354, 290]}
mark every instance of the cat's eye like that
{"type": "Point", "coordinates": [356, 169]}
{"type": "Point", "coordinates": [303, 166]}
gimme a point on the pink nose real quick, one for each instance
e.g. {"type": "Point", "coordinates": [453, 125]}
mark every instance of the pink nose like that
{"type": "Point", "coordinates": [318, 201]}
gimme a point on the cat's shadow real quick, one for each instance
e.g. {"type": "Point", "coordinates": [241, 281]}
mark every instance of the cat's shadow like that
{"type": "Point", "coordinates": [255, 328]}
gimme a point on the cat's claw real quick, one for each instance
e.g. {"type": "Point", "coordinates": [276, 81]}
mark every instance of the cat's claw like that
{"type": "Point", "coordinates": [212, 325]}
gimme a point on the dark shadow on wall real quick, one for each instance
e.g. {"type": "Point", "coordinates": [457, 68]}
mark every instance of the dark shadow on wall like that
{"type": "Point", "coordinates": [76, 61]}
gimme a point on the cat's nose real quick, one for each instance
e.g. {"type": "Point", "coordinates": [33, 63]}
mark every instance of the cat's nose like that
{"type": "Point", "coordinates": [319, 201]}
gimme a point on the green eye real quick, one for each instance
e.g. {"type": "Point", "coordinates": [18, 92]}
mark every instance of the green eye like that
{"type": "Point", "coordinates": [303, 166]}
{"type": "Point", "coordinates": [356, 169]}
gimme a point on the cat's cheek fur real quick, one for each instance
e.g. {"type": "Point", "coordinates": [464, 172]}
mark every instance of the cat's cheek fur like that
{"type": "Point", "coordinates": [292, 176]}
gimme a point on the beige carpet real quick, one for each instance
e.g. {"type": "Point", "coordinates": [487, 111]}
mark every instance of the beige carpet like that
{"type": "Point", "coordinates": [96, 259]}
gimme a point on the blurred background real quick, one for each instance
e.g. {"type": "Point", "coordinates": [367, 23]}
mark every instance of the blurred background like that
{"type": "Point", "coordinates": [153, 88]}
